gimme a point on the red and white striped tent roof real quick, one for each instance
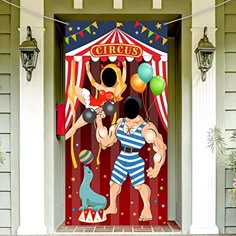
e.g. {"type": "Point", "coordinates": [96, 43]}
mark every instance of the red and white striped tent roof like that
{"type": "Point", "coordinates": [156, 58]}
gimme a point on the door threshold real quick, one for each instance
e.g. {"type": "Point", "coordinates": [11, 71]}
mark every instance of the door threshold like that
{"type": "Point", "coordinates": [170, 228]}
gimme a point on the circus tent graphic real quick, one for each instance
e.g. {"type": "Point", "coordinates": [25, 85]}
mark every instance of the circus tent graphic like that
{"type": "Point", "coordinates": [81, 41]}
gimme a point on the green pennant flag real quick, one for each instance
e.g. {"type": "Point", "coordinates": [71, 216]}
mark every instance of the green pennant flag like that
{"type": "Point", "coordinates": [150, 33]}
{"type": "Point", "coordinates": [67, 40]}
{"type": "Point", "coordinates": [88, 29]}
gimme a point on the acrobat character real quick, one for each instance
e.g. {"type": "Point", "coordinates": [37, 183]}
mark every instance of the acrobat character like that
{"type": "Point", "coordinates": [133, 132]}
{"type": "Point", "coordinates": [111, 88]}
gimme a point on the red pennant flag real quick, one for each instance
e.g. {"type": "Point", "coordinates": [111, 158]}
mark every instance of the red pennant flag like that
{"type": "Point", "coordinates": [157, 37]}
{"type": "Point", "coordinates": [81, 33]}
{"type": "Point", "coordinates": [137, 23]}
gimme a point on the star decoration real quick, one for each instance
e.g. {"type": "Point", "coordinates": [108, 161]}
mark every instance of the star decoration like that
{"type": "Point", "coordinates": [158, 26]}
{"type": "Point", "coordinates": [160, 217]}
{"type": "Point", "coordinates": [70, 28]}
{"type": "Point", "coordinates": [78, 28]}
{"type": "Point", "coordinates": [161, 188]}
{"type": "Point", "coordinates": [69, 196]}
{"type": "Point", "coordinates": [94, 33]}
{"type": "Point", "coordinates": [151, 41]}
{"type": "Point", "coordinates": [73, 179]}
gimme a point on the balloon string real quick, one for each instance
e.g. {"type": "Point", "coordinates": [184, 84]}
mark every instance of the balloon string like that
{"type": "Point", "coordinates": [145, 108]}
{"type": "Point", "coordinates": [151, 106]}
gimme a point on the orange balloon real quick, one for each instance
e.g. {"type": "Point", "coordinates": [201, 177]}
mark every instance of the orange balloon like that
{"type": "Point", "coordinates": [137, 84]}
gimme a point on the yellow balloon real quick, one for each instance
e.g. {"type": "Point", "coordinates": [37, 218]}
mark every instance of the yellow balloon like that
{"type": "Point", "coordinates": [137, 84]}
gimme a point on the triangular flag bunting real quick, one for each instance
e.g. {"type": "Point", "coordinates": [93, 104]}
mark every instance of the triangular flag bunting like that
{"type": "Point", "coordinates": [143, 29]}
{"type": "Point", "coordinates": [95, 24]}
{"type": "Point", "coordinates": [157, 37]}
{"type": "Point", "coordinates": [81, 33]}
{"type": "Point", "coordinates": [74, 37]}
{"type": "Point", "coordinates": [164, 40]}
{"type": "Point", "coordinates": [119, 24]}
{"type": "Point", "coordinates": [137, 23]}
{"type": "Point", "coordinates": [67, 40]}
{"type": "Point", "coordinates": [150, 33]}
{"type": "Point", "coordinates": [88, 29]}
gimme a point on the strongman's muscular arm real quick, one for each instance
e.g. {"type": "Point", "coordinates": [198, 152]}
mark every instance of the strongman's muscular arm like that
{"type": "Point", "coordinates": [153, 137]}
{"type": "Point", "coordinates": [92, 80]}
{"type": "Point", "coordinates": [106, 137]}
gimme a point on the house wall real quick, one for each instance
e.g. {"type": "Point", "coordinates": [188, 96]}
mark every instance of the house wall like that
{"type": "Point", "coordinates": [226, 109]}
{"type": "Point", "coordinates": [8, 117]}
{"type": "Point", "coordinates": [230, 103]}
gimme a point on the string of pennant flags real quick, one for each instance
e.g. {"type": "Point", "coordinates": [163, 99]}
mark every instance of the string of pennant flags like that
{"type": "Point", "coordinates": [137, 25]}
{"type": "Point", "coordinates": [81, 32]}
{"type": "Point", "coordinates": [150, 32]}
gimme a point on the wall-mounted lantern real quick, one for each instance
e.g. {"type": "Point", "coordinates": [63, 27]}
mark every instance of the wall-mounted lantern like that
{"type": "Point", "coordinates": [205, 54]}
{"type": "Point", "coordinates": [29, 53]}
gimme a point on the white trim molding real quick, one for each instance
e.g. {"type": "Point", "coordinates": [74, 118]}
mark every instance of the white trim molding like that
{"type": "Point", "coordinates": [118, 4]}
{"type": "Point", "coordinates": [156, 4]}
{"type": "Point", "coordinates": [32, 191]}
{"type": "Point", "coordinates": [78, 4]}
{"type": "Point", "coordinates": [203, 118]}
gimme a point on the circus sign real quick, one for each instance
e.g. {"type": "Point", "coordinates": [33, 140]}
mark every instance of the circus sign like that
{"type": "Point", "coordinates": [116, 50]}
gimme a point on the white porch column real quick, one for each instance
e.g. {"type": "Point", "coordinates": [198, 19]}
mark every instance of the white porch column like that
{"type": "Point", "coordinates": [32, 208]}
{"type": "Point", "coordinates": [203, 118]}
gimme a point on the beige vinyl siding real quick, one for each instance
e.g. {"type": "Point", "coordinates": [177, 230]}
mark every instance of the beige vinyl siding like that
{"type": "Point", "coordinates": [230, 105]}
{"type": "Point", "coordinates": [5, 118]}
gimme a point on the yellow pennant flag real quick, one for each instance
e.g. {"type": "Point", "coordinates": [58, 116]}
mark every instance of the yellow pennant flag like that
{"type": "Point", "coordinates": [143, 29]}
{"type": "Point", "coordinates": [74, 37]}
{"type": "Point", "coordinates": [95, 24]}
{"type": "Point", "coordinates": [164, 40]}
{"type": "Point", "coordinates": [119, 24]}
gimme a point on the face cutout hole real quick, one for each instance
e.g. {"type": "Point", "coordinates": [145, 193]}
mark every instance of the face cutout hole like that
{"type": "Point", "coordinates": [109, 77]}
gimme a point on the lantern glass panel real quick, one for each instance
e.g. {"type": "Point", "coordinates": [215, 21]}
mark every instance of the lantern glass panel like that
{"type": "Point", "coordinates": [29, 59]}
{"type": "Point", "coordinates": [205, 59]}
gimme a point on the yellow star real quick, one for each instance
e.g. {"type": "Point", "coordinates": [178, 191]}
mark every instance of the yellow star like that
{"type": "Point", "coordinates": [158, 26]}
{"type": "Point", "coordinates": [70, 28]}
{"type": "Point", "coordinates": [73, 179]}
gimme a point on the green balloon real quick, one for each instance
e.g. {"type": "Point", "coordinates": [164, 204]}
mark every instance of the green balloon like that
{"type": "Point", "coordinates": [157, 85]}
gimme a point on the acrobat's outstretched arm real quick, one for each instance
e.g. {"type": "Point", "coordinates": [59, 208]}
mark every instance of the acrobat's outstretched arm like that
{"type": "Point", "coordinates": [124, 71]}
{"type": "Point", "coordinates": [153, 137]}
{"type": "Point", "coordinates": [104, 136]}
{"type": "Point", "coordinates": [90, 76]}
